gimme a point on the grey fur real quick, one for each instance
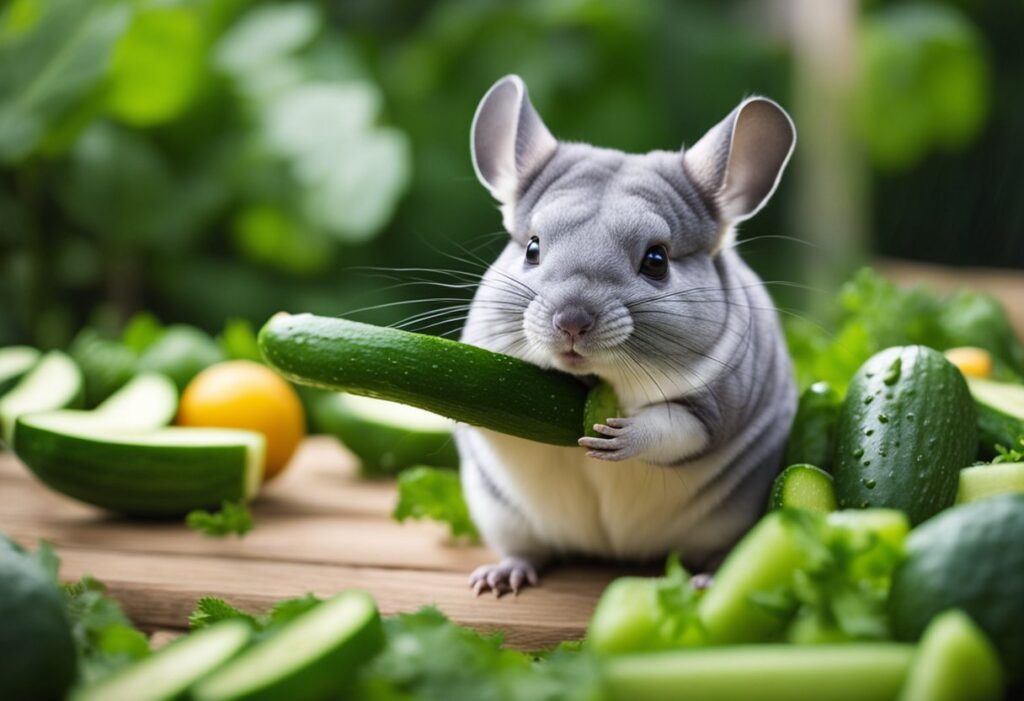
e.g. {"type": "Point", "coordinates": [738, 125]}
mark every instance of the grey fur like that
{"type": "Point", "coordinates": [697, 358]}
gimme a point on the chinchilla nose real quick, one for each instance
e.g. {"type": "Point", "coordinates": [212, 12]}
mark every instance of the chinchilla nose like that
{"type": "Point", "coordinates": [573, 322]}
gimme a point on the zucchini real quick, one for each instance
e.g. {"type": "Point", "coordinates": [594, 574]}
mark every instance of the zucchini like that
{"type": "Point", "coordinates": [386, 437]}
{"type": "Point", "coordinates": [313, 657]}
{"type": "Point", "coordinates": [906, 429]}
{"type": "Point", "coordinates": [847, 672]}
{"type": "Point", "coordinates": [168, 673]}
{"type": "Point", "coordinates": [803, 487]}
{"type": "Point", "coordinates": [984, 481]}
{"type": "Point", "coordinates": [453, 379]}
{"type": "Point", "coordinates": [954, 662]}
{"type": "Point", "coordinates": [15, 361]}
{"type": "Point", "coordinates": [812, 440]}
{"type": "Point", "coordinates": [55, 382]}
{"type": "Point", "coordinates": [1000, 407]}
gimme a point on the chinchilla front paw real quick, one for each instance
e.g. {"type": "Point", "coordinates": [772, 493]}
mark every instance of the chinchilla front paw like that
{"type": "Point", "coordinates": [620, 439]}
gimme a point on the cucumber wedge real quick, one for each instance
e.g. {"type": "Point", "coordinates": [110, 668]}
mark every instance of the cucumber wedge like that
{"type": "Point", "coordinates": [847, 672]}
{"type": "Point", "coordinates": [803, 487]}
{"type": "Point", "coordinates": [167, 472]}
{"type": "Point", "coordinates": [386, 436]}
{"type": "Point", "coordinates": [147, 402]}
{"type": "Point", "coordinates": [54, 383]}
{"type": "Point", "coordinates": [313, 657]}
{"type": "Point", "coordinates": [449, 378]}
{"type": "Point", "coordinates": [1000, 408]}
{"type": "Point", "coordinates": [15, 361]}
{"type": "Point", "coordinates": [954, 662]}
{"type": "Point", "coordinates": [168, 673]}
{"type": "Point", "coordinates": [983, 481]}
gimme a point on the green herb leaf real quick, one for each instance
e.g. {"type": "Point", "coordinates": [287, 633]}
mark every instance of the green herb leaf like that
{"type": "Point", "coordinates": [431, 493]}
{"type": "Point", "coordinates": [233, 518]}
{"type": "Point", "coordinates": [238, 341]}
{"type": "Point", "coordinates": [210, 610]}
{"type": "Point", "coordinates": [142, 331]}
{"type": "Point", "coordinates": [105, 638]}
{"type": "Point", "coordinates": [1009, 454]}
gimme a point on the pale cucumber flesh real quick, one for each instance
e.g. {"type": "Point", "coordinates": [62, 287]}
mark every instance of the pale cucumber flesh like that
{"type": "Point", "coordinates": [983, 481]}
{"type": "Point", "coordinates": [148, 401]}
{"type": "Point", "coordinates": [402, 416]}
{"type": "Point", "coordinates": [955, 661]}
{"type": "Point", "coordinates": [1005, 397]}
{"type": "Point", "coordinates": [55, 382]}
{"type": "Point", "coordinates": [16, 361]}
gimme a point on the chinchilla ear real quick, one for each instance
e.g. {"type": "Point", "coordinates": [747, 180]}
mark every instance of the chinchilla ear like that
{"type": "Point", "coordinates": [739, 162]}
{"type": "Point", "coordinates": [508, 139]}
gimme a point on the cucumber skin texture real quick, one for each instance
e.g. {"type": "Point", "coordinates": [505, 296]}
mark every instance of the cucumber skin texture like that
{"type": "Point", "coordinates": [812, 440]}
{"type": "Point", "coordinates": [779, 500]}
{"type": "Point", "coordinates": [903, 440]}
{"type": "Point", "coordinates": [996, 428]}
{"type": "Point", "coordinates": [130, 479]}
{"type": "Point", "coordinates": [970, 557]}
{"type": "Point", "coordinates": [453, 379]}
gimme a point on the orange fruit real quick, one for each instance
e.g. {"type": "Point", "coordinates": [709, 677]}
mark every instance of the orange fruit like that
{"type": "Point", "coordinates": [244, 394]}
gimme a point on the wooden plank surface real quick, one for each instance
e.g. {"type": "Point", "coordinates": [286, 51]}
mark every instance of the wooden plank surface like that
{"type": "Point", "coordinates": [319, 528]}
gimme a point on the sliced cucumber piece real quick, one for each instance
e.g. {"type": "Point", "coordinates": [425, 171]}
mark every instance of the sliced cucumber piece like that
{"type": "Point", "coordinates": [1000, 408]}
{"type": "Point", "coordinates": [955, 661]}
{"type": "Point", "coordinates": [15, 361]}
{"type": "Point", "coordinates": [54, 383]}
{"type": "Point", "coordinates": [166, 472]}
{"type": "Point", "coordinates": [313, 657]}
{"type": "Point", "coordinates": [147, 402]}
{"type": "Point", "coordinates": [386, 436]}
{"type": "Point", "coordinates": [168, 673]}
{"type": "Point", "coordinates": [847, 672]}
{"type": "Point", "coordinates": [803, 487]}
{"type": "Point", "coordinates": [983, 481]}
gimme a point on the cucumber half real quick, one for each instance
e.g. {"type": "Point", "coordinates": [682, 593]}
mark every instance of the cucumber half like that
{"type": "Point", "coordinates": [168, 673]}
{"type": "Point", "coordinates": [15, 361]}
{"type": "Point", "coordinates": [955, 661]}
{"type": "Point", "coordinates": [54, 383]}
{"type": "Point", "coordinates": [1000, 408]}
{"type": "Point", "coordinates": [983, 481]}
{"type": "Point", "coordinates": [386, 436]}
{"type": "Point", "coordinates": [803, 487]}
{"type": "Point", "coordinates": [313, 657]}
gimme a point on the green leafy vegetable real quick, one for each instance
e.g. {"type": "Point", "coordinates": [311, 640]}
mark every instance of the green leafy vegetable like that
{"type": "Point", "coordinates": [142, 331]}
{"type": "Point", "coordinates": [1009, 454]}
{"type": "Point", "coordinates": [432, 493]}
{"type": "Point", "coordinates": [210, 610]}
{"type": "Point", "coordinates": [234, 518]}
{"type": "Point", "coordinates": [238, 341]}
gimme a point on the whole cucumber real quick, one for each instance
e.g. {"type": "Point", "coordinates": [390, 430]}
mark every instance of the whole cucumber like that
{"type": "Point", "coordinates": [812, 440]}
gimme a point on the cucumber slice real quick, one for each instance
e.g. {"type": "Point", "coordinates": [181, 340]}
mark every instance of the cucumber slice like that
{"type": "Point", "coordinates": [983, 481]}
{"type": "Point", "coordinates": [313, 657]}
{"type": "Point", "coordinates": [386, 436]}
{"type": "Point", "coordinates": [168, 673]}
{"type": "Point", "coordinates": [15, 361]}
{"type": "Point", "coordinates": [1000, 408]}
{"type": "Point", "coordinates": [147, 402]}
{"type": "Point", "coordinates": [847, 672]}
{"type": "Point", "coordinates": [449, 378]}
{"type": "Point", "coordinates": [161, 473]}
{"type": "Point", "coordinates": [803, 487]}
{"type": "Point", "coordinates": [54, 383]}
{"type": "Point", "coordinates": [954, 662]}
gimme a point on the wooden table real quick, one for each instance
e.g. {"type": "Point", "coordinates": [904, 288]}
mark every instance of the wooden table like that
{"type": "Point", "coordinates": [319, 528]}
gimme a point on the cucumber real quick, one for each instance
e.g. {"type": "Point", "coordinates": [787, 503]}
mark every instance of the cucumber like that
{"type": "Point", "coordinates": [167, 472]}
{"type": "Point", "coordinates": [803, 487]}
{"type": "Point", "coordinates": [314, 657]}
{"type": "Point", "coordinates": [387, 437]}
{"type": "Point", "coordinates": [601, 405]}
{"type": "Point", "coordinates": [906, 429]}
{"type": "Point", "coordinates": [55, 382]}
{"type": "Point", "coordinates": [954, 662]}
{"type": "Point", "coordinates": [970, 557]}
{"type": "Point", "coordinates": [449, 378]}
{"type": "Point", "coordinates": [812, 440]}
{"type": "Point", "coordinates": [106, 365]}
{"type": "Point", "coordinates": [984, 481]}
{"type": "Point", "coordinates": [181, 352]}
{"type": "Point", "coordinates": [147, 402]}
{"type": "Point", "coordinates": [168, 673]}
{"type": "Point", "coordinates": [15, 361]}
{"type": "Point", "coordinates": [847, 672]}
{"type": "Point", "coordinates": [1000, 407]}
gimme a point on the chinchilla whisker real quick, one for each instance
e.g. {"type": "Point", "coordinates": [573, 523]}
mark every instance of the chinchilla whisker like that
{"type": "Point", "coordinates": [792, 239]}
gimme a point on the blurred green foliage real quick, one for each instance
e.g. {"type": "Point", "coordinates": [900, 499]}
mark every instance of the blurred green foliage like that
{"type": "Point", "coordinates": [212, 159]}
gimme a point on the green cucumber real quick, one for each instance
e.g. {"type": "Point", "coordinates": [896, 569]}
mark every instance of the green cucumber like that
{"type": "Point", "coordinates": [812, 440]}
{"type": "Point", "coordinates": [984, 481]}
{"type": "Point", "coordinates": [906, 429]}
{"type": "Point", "coordinates": [106, 365]}
{"type": "Point", "coordinates": [55, 382]}
{"type": "Point", "coordinates": [453, 379]}
{"type": "Point", "coordinates": [601, 405]}
{"type": "Point", "coordinates": [954, 662]}
{"type": "Point", "coordinates": [168, 673]}
{"type": "Point", "coordinates": [315, 656]}
{"type": "Point", "coordinates": [147, 402]}
{"type": "Point", "coordinates": [847, 672]}
{"type": "Point", "coordinates": [803, 487]}
{"type": "Point", "coordinates": [387, 437]}
{"type": "Point", "coordinates": [181, 352]}
{"type": "Point", "coordinates": [1000, 408]}
{"type": "Point", "coordinates": [167, 472]}
{"type": "Point", "coordinates": [969, 557]}
{"type": "Point", "coordinates": [15, 361]}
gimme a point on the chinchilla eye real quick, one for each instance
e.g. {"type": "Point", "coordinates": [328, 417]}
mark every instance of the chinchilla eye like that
{"type": "Point", "coordinates": [655, 262]}
{"type": "Point", "coordinates": [533, 251]}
